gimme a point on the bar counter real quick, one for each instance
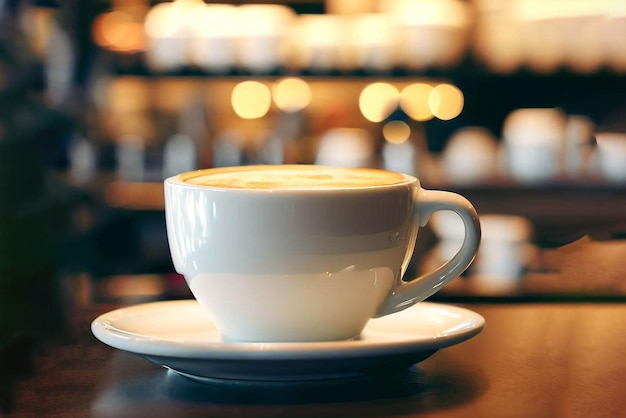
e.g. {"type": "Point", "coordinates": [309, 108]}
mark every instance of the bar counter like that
{"type": "Point", "coordinates": [531, 360]}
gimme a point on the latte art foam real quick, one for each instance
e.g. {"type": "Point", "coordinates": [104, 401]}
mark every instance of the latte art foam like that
{"type": "Point", "coordinates": [295, 177]}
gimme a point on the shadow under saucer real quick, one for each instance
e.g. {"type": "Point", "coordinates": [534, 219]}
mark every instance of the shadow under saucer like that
{"type": "Point", "coordinates": [436, 384]}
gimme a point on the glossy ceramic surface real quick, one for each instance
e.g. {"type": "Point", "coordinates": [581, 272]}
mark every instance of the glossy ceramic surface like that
{"type": "Point", "coordinates": [179, 336]}
{"type": "Point", "coordinates": [305, 263]}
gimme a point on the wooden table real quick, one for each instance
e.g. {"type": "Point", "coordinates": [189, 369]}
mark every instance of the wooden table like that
{"type": "Point", "coordinates": [532, 360]}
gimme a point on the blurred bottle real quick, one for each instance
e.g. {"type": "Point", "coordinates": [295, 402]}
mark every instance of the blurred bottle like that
{"type": "Point", "coordinates": [404, 147]}
{"type": "Point", "coordinates": [228, 149]}
{"type": "Point", "coordinates": [179, 155]}
{"type": "Point", "coordinates": [194, 122]}
{"type": "Point", "coordinates": [60, 60]}
{"type": "Point", "coordinates": [83, 161]}
{"type": "Point", "coordinates": [579, 145]}
{"type": "Point", "coordinates": [269, 148]}
{"type": "Point", "coordinates": [130, 153]}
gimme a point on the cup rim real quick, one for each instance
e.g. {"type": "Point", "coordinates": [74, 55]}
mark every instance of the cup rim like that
{"type": "Point", "coordinates": [179, 180]}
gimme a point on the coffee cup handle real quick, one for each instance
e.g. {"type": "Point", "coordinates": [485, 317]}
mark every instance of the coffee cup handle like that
{"type": "Point", "coordinates": [407, 293]}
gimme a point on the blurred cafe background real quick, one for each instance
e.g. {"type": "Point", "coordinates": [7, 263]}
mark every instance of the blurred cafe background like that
{"type": "Point", "coordinates": [520, 105]}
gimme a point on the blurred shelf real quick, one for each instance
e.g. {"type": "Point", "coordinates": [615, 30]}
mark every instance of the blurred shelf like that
{"type": "Point", "coordinates": [560, 212]}
{"type": "Point", "coordinates": [530, 297]}
{"type": "Point", "coordinates": [135, 195]}
{"type": "Point", "coordinates": [134, 65]}
{"type": "Point", "coordinates": [536, 287]}
{"type": "Point", "coordinates": [586, 270]}
{"type": "Point", "coordinates": [488, 97]}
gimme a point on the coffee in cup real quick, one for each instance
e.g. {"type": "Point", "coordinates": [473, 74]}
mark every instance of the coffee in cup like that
{"type": "Point", "coordinates": [278, 253]}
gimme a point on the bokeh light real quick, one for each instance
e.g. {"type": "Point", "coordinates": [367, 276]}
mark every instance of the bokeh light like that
{"type": "Point", "coordinates": [396, 131]}
{"type": "Point", "coordinates": [446, 101]}
{"type": "Point", "coordinates": [214, 21]}
{"type": "Point", "coordinates": [414, 101]}
{"type": "Point", "coordinates": [118, 31]}
{"type": "Point", "coordinates": [291, 94]}
{"type": "Point", "coordinates": [378, 100]}
{"type": "Point", "coordinates": [251, 99]}
{"type": "Point", "coordinates": [444, 13]}
{"type": "Point", "coordinates": [167, 20]}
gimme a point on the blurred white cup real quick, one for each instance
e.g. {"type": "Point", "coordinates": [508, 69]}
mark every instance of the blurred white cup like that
{"type": "Point", "coordinates": [533, 141]}
{"type": "Point", "coordinates": [470, 155]}
{"type": "Point", "coordinates": [615, 28]}
{"type": "Point", "coordinates": [543, 49]}
{"type": "Point", "coordinates": [402, 157]}
{"type": "Point", "coordinates": [431, 33]}
{"type": "Point", "coordinates": [498, 42]}
{"type": "Point", "coordinates": [321, 42]}
{"type": "Point", "coordinates": [346, 147]}
{"type": "Point", "coordinates": [213, 45]}
{"type": "Point", "coordinates": [168, 34]}
{"type": "Point", "coordinates": [375, 38]}
{"type": "Point", "coordinates": [611, 156]}
{"type": "Point", "coordinates": [583, 43]}
{"type": "Point", "coordinates": [262, 29]}
{"type": "Point", "coordinates": [504, 252]}
{"type": "Point", "coordinates": [449, 231]}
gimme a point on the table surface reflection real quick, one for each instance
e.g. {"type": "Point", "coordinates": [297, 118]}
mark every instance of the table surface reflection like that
{"type": "Point", "coordinates": [531, 360]}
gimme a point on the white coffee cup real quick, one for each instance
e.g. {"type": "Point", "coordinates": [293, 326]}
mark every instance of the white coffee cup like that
{"type": "Point", "coordinates": [305, 252]}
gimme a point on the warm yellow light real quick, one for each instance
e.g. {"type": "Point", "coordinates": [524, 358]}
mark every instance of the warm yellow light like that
{"type": "Point", "coordinates": [446, 101]}
{"type": "Point", "coordinates": [166, 20]}
{"type": "Point", "coordinates": [118, 31]}
{"type": "Point", "coordinates": [251, 99]}
{"type": "Point", "coordinates": [106, 28]}
{"type": "Point", "coordinates": [378, 100]}
{"type": "Point", "coordinates": [291, 94]}
{"type": "Point", "coordinates": [263, 19]}
{"type": "Point", "coordinates": [214, 21]}
{"type": "Point", "coordinates": [396, 131]}
{"type": "Point", "coordinates": [531, 10]}
{"type": "Point", "coordinates": [158, 24]}
{"type": "Point", "coordinates": [414, 101]}
{"type": "Point", "coordinates": [446, 13]}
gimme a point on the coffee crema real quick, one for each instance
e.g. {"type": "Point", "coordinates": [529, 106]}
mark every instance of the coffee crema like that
{"type": "Point", "coordinates": [293, 177]}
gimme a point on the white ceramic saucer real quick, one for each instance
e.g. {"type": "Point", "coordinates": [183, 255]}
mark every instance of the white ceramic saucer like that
{"type": "Point", "coordinates": [180, 336]}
